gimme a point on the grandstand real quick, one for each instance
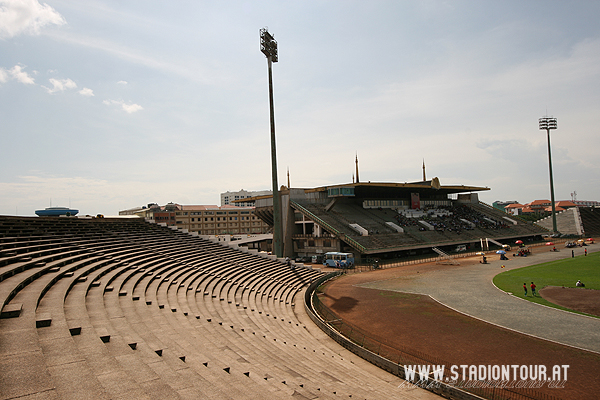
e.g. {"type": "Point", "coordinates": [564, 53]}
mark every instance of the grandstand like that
{"type": "Point", "coordinates": [590, 218]}
{"type": "Point", "coordinates": [390, 219]}
{"type": "Point", "coordinates": [577, 221]}
{"type": "Point", "coordinates": [122, 308]}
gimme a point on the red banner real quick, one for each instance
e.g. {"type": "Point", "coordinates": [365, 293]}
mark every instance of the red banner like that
{"type": "Point", "coordinates": [415, 201]}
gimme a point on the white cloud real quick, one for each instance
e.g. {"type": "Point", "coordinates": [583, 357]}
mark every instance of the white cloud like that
{"type": "Point", "coordinates": [128, 108]}
{"type": "Point", "coordinates": [17, 73]}
{"type": "Point", "coordinates": [122, 82]}
{"type": "Point", "coordinates": [60, 85]}
{"type": "Point", "coordinates": [26, 16]}
{"type": "Point", "coordinates": [86, 92]}
{"type": "Point", "coordinates": [131, 108]}
{"type": "Point", "coordinates": [3, 75]}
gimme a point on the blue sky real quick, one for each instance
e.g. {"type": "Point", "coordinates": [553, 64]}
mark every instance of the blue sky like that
{"type": "Point", "coordinates": [107, 105]}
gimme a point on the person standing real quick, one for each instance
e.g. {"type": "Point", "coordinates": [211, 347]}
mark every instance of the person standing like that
{"type": "Point", "coordinates": [525, 288]}
{"type": "Point", "coordinates": [533, 289]}
{"type": "Point", "coordinates": [585, 252]}
{"type": "Point", "coordinates": [572, 253]}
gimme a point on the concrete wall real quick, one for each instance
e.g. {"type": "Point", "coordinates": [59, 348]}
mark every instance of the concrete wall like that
{"type": "Point", "coordinates": [472, 198]}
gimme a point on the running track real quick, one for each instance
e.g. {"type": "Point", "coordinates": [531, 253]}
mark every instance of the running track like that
{"type": "Point", "coordinates": [469, 290]}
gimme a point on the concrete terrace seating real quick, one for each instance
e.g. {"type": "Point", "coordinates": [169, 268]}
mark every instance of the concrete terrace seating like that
{"type": "Point", "coordinates": [452, 224]}
{"type": "Point", "coordinates": [127, 309]}
{"type": "Point", "coordinates": [590, 218]}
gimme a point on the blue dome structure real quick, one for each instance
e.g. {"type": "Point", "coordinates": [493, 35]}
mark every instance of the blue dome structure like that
{"type": "Point", "coordinates": [56, 212]}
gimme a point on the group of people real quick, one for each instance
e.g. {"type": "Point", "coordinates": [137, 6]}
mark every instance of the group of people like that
{"type": "Point", "coordinates": [452, 218]}
{"type": "Point", "coordinates": [523, 252]}
{"type": "Point", "coordinates": [573, 253]}
{"type": "Point", "coordinates": [532, 286]}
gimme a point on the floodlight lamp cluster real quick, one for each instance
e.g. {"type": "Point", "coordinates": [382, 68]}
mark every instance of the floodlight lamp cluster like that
{"type": "Point", "coordinates": [547, 123]}
{"type": "Point", "coordinates": [268, 45]}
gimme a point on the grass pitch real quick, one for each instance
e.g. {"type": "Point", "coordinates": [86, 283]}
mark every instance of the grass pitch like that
{"type": "Point", "coordinates": [563, 272]}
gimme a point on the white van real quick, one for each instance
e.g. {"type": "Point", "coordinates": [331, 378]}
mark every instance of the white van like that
{"type": "Point", "coordinates": [460, 248]}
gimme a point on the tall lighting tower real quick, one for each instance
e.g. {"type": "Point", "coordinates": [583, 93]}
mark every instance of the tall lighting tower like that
{"type": "Point", "coordinates": [548, 123]}
{"type": "Point", "coordinates": [268, 46]}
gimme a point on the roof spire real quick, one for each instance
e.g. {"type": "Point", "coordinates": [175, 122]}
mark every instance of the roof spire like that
{"type": "Point", "coordinates": [288, 176]}
{"type": "Point", "coordinates": [357, 180]}
{"type": "Point", "coordinates": [424, 178]}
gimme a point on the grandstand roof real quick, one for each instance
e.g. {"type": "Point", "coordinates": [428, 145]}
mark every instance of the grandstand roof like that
{"type": "Point", "coordinates": [422, 186]}
{"type": "Point", "coordinates": [387, 189]}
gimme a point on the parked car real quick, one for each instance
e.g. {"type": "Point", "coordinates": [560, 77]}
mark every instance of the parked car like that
{"type": "Point", "coordinates": [318, 259]}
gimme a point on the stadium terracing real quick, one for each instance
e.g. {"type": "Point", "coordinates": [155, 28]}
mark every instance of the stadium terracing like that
{"type": "Point", "coordinates": [102, 308]}
{"type": "Point", "coordinates": [385, 219]}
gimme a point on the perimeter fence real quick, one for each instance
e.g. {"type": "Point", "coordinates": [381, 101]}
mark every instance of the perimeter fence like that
{"type": "Point", "coordinates": [370, 264]}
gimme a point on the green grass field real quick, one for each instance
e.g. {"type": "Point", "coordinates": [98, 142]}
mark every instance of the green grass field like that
{"type": "Point", "coordinates": [556, 273]}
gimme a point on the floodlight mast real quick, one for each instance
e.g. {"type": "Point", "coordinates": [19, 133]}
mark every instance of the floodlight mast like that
{"type": "Point", "coordinates": [548, 123]}
{"type": "Point", "coordinates": [268, 46]}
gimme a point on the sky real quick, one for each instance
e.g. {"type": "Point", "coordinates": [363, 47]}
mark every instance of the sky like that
{"type": "Point", "coordinates": [109, 105]}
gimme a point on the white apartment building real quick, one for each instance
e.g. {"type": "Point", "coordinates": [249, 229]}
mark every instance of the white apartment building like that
{"type": "Point", "coordinates": [228, 197]}
{"type": "Point", "coordinates": [203, 219]}
{"type": "Point", "coordinates": [212, 220]}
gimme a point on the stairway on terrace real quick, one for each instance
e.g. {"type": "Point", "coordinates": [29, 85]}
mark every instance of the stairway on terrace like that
{"type": "Point", "coordinates": [318, 210]}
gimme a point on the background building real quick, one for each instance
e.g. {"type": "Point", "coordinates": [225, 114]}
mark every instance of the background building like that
{"type": "Point", "coordinates": [587, 203]}
{"type": "Point", "coordinates": [501, 205]}
{"type": "Point", "coordinates": [203, 219]}
{"type": "Point", "coordinates": [540, 207]}
{"type": "Point", "coordinates": [228, 197]}
{"type": "Point", "coordinates": [514, 209]}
